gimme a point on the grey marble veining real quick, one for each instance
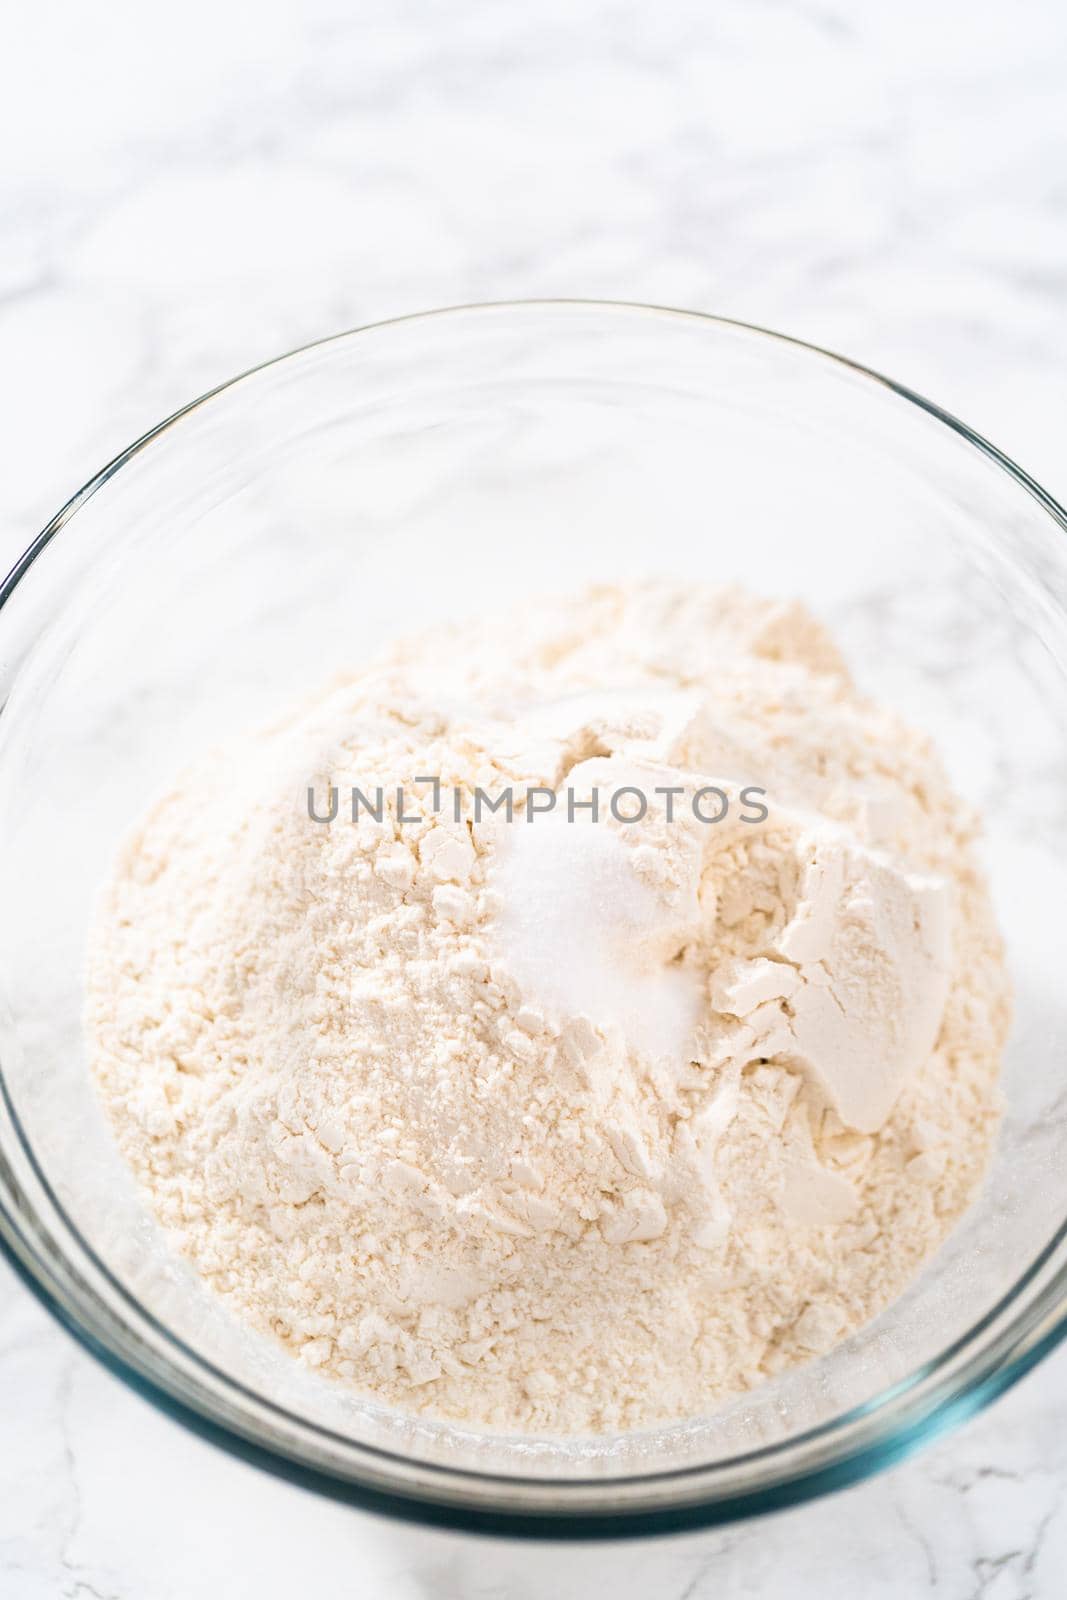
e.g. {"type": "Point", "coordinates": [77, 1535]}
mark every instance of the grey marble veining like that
{"type": "Point", "coordinates": [184, 194]}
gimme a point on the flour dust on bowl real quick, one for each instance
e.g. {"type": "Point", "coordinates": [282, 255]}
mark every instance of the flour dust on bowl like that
{"type": "Point", "coordinates": [531, 840]}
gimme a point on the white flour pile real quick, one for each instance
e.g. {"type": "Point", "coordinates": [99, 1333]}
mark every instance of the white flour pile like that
{"type": "Point", "coordinates": [560, 1125]}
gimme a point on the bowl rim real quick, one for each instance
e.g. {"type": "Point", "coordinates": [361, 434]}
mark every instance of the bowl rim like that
{"type": "Point", "coordinates": [922, 1413]}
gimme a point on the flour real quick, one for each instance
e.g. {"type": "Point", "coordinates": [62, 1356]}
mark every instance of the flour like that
{"type": "Point", "coordinates": [560, 1125]}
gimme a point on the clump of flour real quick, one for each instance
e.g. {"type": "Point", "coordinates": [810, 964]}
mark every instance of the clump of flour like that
{"type": "Point", "coordinates": [560, 1125]}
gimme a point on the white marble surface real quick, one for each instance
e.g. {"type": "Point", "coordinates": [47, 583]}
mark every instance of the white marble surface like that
{"type": "Point", "coordinates": [185, 192]}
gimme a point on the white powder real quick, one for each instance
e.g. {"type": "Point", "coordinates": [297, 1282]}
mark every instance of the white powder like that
{"type": "Point", "coordinates": [554, 1125]}
{"type": "Point", "coordinates": [573, 924]}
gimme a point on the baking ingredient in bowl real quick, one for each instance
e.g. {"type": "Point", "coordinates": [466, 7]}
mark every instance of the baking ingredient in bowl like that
{"type": "Point", "coordinates": [562, 1125]}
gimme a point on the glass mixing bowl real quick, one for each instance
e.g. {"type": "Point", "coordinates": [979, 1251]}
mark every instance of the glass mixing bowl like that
{"type": "Point", "coordinates": [289, 522]}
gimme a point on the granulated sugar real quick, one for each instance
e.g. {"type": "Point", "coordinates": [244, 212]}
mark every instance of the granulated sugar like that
{"type": "Point", "coordinates": [551, 1124]}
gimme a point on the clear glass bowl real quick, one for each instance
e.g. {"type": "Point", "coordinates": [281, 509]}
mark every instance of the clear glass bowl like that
{"type": "Point", "coordinates": [293, 519]}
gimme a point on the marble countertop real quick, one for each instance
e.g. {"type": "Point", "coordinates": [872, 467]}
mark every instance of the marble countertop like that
{"type": "Point", "coordinates": [184, 193]}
